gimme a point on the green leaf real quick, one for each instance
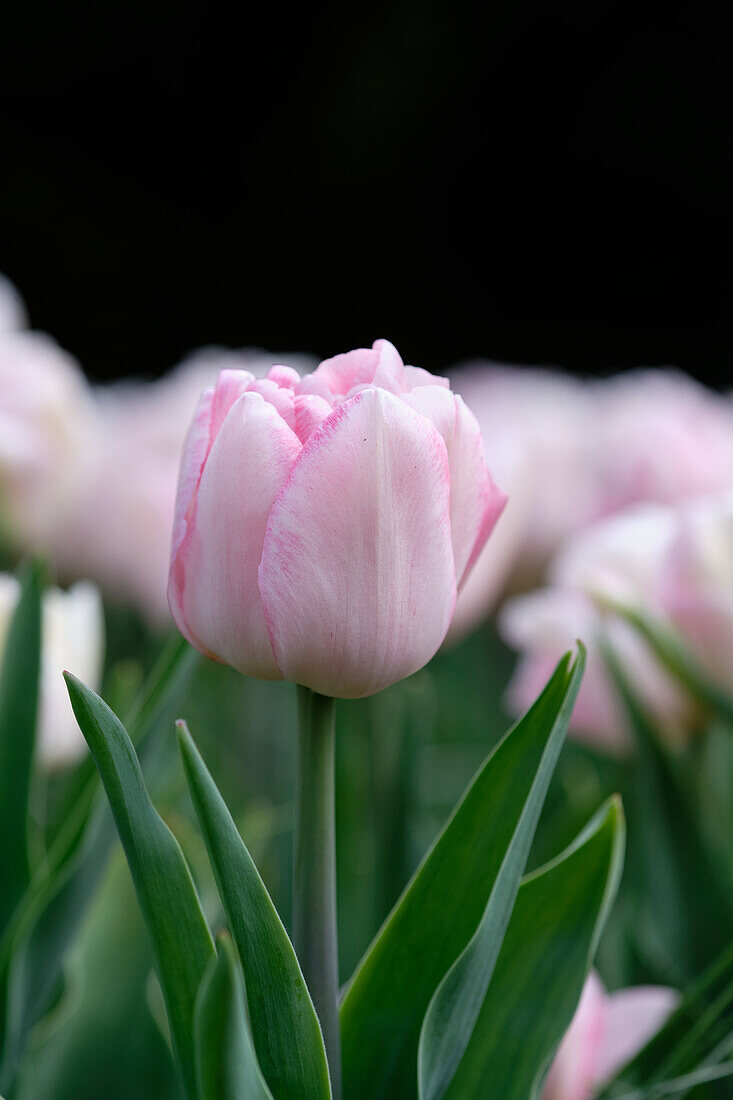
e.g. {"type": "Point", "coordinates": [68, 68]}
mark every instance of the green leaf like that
{"type": "Point", "coordinates": [101, 1039]}
{"type": "Point", "coordinates": [19, 681]}
{"type": "Point", "coordinates": [456, 1003]}
{"type": "Point", "coordinates": [685, 913]}
{"type": "Point", "coordinates": [285, 1027]}
{"type": "Point", "coordinates": [226, 1063]}
{"type": "Point", "coordinates": [441, 907]}
{"type": "Point", "coordinates": [181, 940]}
{"type": "Point", "coordinates": [33, 946]}
{"type": "Point", "coordinates": [702, 1024]}
{"type": "Point", "coordinates": [547, 952]}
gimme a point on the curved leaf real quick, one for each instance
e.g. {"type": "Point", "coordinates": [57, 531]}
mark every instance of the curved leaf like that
{"type": "Point", "coordinates": [456, 1003]}
{"type": "Point", "coordinates": [285, 1027]}
{"type": "Point", "coordinates": [226, 1063]}
{"type": "Point", "coordinates": [546, 955]}
{"type": "Point", "coordinates": [181, 939]}
{"type": "Point", "coordinates": [18, 709]}
{"type": "Point", "coordinates": [441, 907]}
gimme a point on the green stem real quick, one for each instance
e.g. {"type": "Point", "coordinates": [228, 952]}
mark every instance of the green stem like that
{"type": "Point", "coordinates": [314, 887]}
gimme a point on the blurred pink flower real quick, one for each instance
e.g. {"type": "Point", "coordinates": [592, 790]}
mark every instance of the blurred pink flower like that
{"type": "Point", "coordinates": [617, 559]}
{"type": "Point", "coordinates": [607, 1031]}
{"type": "Point", "coordinates": [658, 436]}
{"type": "Point", "coordinates": [324, 523]}
{"type": "Point", "coordinates": [45, 425]}
{"type": "Point", "coordinates": [696, 583]}
{"type": "Point", "coordinates": [534, 428]}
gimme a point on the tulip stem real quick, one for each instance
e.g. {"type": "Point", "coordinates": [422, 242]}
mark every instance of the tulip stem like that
{"type": "Point", "coordinates": [314, 886]}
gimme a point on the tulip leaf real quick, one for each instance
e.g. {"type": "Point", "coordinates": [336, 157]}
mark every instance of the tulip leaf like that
{"type": "Point", "coordinates": [226, 1063]}
{"type": "Point", "coordinates": [285, 1028]}
{"type": "Point", "coordinates": [699, 1030]}
{"type": "Point", "coordinates": [101, 1039]}
{"type": "Point", "coordinates": [456, 1003]}
{"type": "Point", "coordinates": [547, 952]}
{"type": "Point", "coordinates": [33, 947]}
{"type": "Point", "coordinates": [181, 939]}
{"type": "Point", "coordinates": [19, 680]}
{"type": "Point", "coordinates": [685, 908]}
{"type": "Point", "coordinates": [440, 909]}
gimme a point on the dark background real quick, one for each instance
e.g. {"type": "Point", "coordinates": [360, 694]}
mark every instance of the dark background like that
{"type": "Point", "coordinates": [533, 182]}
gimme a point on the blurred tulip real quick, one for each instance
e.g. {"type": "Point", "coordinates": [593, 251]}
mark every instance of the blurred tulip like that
{"type": "Point", "coordinates": [324, 523]}
{"type": "Point", "coordinates": [12, 311]}
{"type": "Point", "coordinates": [72, 638]}
{"type": "Point", "coordinates": [658, 436]}
{"type": "Point", "coordinates": [618, 559]}
{"type": "Point", "coordinates": [534, 428]}
{"type": "Point", "coordinates": [607, 1031]}
{"type": "Point", "coordinates": [696, 583]}
{"type": "Point", "coordinates": [45, 421]}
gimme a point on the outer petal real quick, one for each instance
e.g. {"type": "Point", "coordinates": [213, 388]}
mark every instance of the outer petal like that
{"type": "Point", "coordinates": [632, 1017]}
{"type": "Point", "coordinates": [195, 449]}
{"type": "Point", "coordinates": [357, 575]}
{"type": "Point", "coordinates": [476, 503]}
{"type": "Point", "coordinates": [213, 590]}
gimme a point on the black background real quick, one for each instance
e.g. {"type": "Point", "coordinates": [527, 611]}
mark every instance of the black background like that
{"type": "Point", "coordinates": [533, 182]}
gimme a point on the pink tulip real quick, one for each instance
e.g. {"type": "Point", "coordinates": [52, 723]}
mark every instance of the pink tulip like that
{"type": "Point", "coordinates": [619, 559]}
{"type": "Point", "coordinates": [12, 311]}
{"type": "Point", "coordinates": [324, 523]}
{"type": "Point", "coordinates": [607, 1031]}
{"type": "Point", "coordinates": [696, 583]}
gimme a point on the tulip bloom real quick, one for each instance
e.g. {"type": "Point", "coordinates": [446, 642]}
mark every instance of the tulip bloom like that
{"type": "Point", "coordinates": [324, 523]}
{"type": "Point", "coordinates": [607, 1031]}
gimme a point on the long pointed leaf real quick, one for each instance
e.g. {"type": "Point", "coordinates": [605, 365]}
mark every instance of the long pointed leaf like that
{"type": "Point", "coordinates": [226, 1063]}
{"type": "Point", "coordinates": [167, 896]}
{"type": "Point", "coordinates": [456, 1003]}
{"type": "Point", "coordinates": [545, 957]}
{"type": "Point", "coordinates": [439, 911]}
{"type": "Point", "coordinates": [33, 946]}
{"type": "Point", "coordinates": [284, 1024]}
{"type": "Point", "coordinates": [18, 709]}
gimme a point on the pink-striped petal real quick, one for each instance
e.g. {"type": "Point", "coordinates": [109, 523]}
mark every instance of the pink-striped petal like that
{"type": "Point", "coordinates": [379, 365]}
{"type": "Point", "coordinates": [357, 576]}
{"type": "Point", "coordinates": [195, 449]}
{"type": "Point", "coordinates": [214, 591]}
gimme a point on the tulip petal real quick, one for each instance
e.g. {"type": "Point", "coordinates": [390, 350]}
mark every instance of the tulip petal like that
{"type": "Point", "coordinates": [195, 450]}
{"type": "Point", "coordinates": [476, 503]}
{"type": "Point", "coordinates": [632, 1017]}
{"type": "Point", "coordinates": [214, 594]}
{"type": "Point", "coordinates": [379, 365]}
{"type": "Point", "coordinates": [357, 575]}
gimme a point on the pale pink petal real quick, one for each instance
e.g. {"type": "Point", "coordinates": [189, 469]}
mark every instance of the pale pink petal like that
{"type": "Point", "coordinates": [279, 397]}
{"type": "Point", "coordinates": [284, 376]}
{"type": "Point", "coordinates": [194, 454]}
{"type": "Point", "coordinates": [379, 365]}
{"type": "Point", "coordinates": [417, 376]}
{"type": "Point", "coordinates": [214, 594]}
{"type": "Point", "coordinates": [310, 412]}
{"type": "Point", "coordinates": [572, 1074]}
{"type": "Point", "coordinates": [357, 576]}
{"type": "Point", "coordinates": [230, 385]}
{"type": "Point", "coordinates": [632, 1018]}
{"type": "Point", "coordinates": [476, 503]}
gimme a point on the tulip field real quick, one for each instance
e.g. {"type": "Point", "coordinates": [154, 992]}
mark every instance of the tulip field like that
{"type": "Point", "coordinates": [366, 732]}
